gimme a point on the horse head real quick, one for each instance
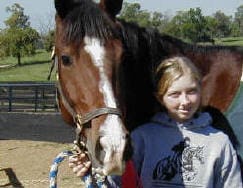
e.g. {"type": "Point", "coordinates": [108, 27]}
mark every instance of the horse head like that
{"type": "Point", "coordinates": [88, 52]}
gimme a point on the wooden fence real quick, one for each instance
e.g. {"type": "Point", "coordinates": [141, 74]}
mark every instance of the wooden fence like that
{"type": "Point", "coordinates": [28, 97]}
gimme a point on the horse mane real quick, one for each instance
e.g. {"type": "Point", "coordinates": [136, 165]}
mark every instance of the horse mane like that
{"type": "Point", "coordinates": [86, 19]}
{"type": "Point", "coordinates": [140, 58]}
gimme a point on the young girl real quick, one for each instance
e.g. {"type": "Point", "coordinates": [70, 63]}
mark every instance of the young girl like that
{"type": "Point", "coordinates": [179, 147]}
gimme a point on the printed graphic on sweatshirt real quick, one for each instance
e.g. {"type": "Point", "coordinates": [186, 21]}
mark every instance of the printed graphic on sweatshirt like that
{"type": "Point", "coordinates": [181, 162]}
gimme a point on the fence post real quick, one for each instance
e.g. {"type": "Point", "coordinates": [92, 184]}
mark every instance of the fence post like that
{"type": "Point", "coordinates": [10, 98]}
{"type": "Point", "coordinates": [36, 98]}
{"type": "Point", "coordinates": [43, 97]}
{"type": "Point", "coordinates": [28, 97]}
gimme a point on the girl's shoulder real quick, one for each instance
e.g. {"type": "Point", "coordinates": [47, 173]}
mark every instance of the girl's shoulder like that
{"type": "Point", "coordinates": [146, 127]}
{"type": "Point", "coordinates": [218, 138]}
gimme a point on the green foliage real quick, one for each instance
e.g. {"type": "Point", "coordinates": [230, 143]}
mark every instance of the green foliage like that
{"type": "Point", "coordinates": [48, 40]}
{"type": "Point", "coordinates": [239, 20]}
{"type": "Point", "coordinates": [223, 24]}
{"type": "Point", "coordinates": [18, 19]}
{"type": "Point", "coordinates": [190, 25]}
{"type": "Point", "coordinates": [132, 12]}
{"type": "Point", "coordinates": [18, 39]}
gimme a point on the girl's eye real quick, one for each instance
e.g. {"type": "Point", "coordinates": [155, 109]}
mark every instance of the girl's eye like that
{"type": "Point", "coordinates": [192, 91]}
{"type": "Point", "coordinates": [174, 94]}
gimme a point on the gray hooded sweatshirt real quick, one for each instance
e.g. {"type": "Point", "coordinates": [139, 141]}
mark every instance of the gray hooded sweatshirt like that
{"type": "Point", "coordinates": [190, 154]}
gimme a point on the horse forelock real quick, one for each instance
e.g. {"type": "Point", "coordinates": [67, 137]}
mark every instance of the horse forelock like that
{"type": "Point", "coordinates": [88, 20]}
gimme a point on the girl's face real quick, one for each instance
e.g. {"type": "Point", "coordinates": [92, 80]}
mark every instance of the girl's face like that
{"type": "Point", "coordinates": [182, 98]}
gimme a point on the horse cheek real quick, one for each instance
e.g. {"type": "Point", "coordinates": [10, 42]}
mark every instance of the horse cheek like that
{"type": "Point", "coordinates": [67, 117]}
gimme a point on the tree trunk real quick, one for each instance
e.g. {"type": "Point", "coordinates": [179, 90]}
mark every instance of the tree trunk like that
{"type": "Point", "coordinates": [19, 59]}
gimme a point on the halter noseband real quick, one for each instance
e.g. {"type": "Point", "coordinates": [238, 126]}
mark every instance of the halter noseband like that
{"type": "Point", "coordinates": [85, 121]}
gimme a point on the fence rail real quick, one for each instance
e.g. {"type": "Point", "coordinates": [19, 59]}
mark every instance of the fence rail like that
{"type": "Point", "coordinates": [28, 97]}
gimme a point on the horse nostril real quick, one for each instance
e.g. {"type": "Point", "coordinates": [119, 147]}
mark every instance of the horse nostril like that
{"type": "Point", "coordinates": [128, 151]}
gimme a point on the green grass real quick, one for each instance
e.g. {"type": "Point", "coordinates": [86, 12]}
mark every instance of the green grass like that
{"type": "Point", "coordinates": [231, 41]}
{"type": "Point", "coordinates": [41, 56]}
{"type": "Point", "coordinates": [34, 68]}
{"type": "Point", "coordinates": [37, 72]}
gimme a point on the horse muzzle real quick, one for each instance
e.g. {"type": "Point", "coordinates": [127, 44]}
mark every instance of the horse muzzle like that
{"type": "Point", "coordinates": [108, 149]}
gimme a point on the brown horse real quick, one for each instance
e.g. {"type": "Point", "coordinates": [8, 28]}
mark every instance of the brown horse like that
{"type": "Point", "coordinates": [105, 64]}
{"type": "Point", "coordinates": [87, 63]}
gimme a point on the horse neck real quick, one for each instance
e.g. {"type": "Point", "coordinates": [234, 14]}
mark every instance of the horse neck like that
{"type": "Point", "coordinates": [148, 45]}
{"type": "Point", "coordinates": [136, 70]}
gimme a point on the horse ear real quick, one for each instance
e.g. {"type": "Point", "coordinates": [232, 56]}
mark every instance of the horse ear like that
{"type": "Point", "coordinates": [111, 7]}
{"type": "Point", "coordinates": [63, 7]}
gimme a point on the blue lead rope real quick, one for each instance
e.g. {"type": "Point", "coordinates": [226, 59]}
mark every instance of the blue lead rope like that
{"type": "Point", "coordinates": [88, 180]}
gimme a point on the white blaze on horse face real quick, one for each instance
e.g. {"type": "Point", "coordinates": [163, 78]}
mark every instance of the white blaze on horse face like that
{"type": "Point", "coordinates": [112, 132]}
{"type": "Point", "coordinates": [97, 53]}
{"type": "Point", "coordinates": [241, 76]}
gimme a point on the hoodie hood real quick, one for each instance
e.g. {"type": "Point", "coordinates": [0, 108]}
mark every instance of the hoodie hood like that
{"type": "Point", "coordinates": [201, 120]}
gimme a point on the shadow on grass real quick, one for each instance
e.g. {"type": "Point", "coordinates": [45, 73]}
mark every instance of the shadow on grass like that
{"type": "Point", "coordinates": [13, 179]}
{"type": "Point", "coordinates": [12, 66]}
{"type": "Point", "coordinates": [35, 63]}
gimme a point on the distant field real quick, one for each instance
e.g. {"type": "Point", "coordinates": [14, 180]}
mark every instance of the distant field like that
{"type": "Point", "coordinates": [41, 56]}
{"type": "Point", "coordinates": [231, 41]}
{"type": "Point", "coordinates": [36, 68]}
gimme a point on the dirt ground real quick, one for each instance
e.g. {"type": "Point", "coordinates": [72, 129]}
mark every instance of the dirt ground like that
{"type": "Point", "coordinates": [27, 151]}
{"type": "Point", "coordinates": [27, 164]}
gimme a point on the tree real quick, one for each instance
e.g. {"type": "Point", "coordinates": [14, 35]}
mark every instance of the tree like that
{"type": "Point", "coordinates": [223, 24]}
{"type": "Point", "coordinates": [48, 40]}
{"type": "Point", "coordinates": [212, 26]}
{"type": "Point", "coordinates": [190, 25]}
{"type": "Point", "coordinates": [195, 27]}
{"type": "Point", "coordinates": [239, 19]}
{"type": "Point", "coordinates": [132, 12]}
{"type": "Point", "coordinates": [175, 26]}
{"type": "Point", "coordinates": [18, 39]}
{"type": "Point", "coordinates": [18, 19]}
{"type": "Point", "coordinates": [46, 31]}
{"type": "Point", "coordinates": [160, 21]}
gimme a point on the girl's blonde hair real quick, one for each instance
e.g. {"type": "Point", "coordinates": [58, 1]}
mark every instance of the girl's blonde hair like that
{"type": "Point", "coordinates": [172, 69]}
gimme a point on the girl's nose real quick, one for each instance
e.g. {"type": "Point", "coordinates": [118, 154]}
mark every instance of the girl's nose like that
{"type": "Point", "coordinates": [185, 99]}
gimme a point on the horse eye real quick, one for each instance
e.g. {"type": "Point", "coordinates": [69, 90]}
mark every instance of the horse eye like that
{"type": "Point", "coordinates": [66, 60]}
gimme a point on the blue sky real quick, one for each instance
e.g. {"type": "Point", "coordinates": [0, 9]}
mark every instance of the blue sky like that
{"type": "Point", "coordinates": [41, 11]}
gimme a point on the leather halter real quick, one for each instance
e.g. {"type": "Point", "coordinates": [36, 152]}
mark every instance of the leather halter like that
{"type": "Point", "coordinates": [85, 121]}
{"type": "Point", "coordinates": [82, 120]}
